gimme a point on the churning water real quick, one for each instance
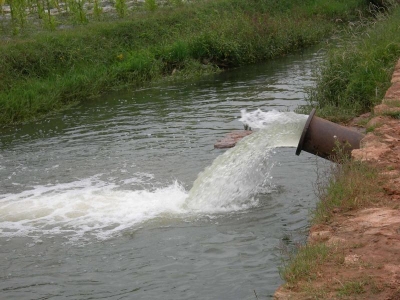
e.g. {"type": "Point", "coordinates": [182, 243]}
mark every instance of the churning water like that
{"type": "Point", "coordinates": [236, 177]}
{"type": "Point", "coordinates": [125, 198]}
{"type": "Point", "coordinates": [94, 207]}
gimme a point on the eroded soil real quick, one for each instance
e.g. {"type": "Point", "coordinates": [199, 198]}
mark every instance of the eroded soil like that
{"type": "Point", "coordinates": [366, 241]}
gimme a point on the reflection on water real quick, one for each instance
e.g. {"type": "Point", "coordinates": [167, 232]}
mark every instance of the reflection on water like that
{"type": "Point", "coordinates": [94, 201]}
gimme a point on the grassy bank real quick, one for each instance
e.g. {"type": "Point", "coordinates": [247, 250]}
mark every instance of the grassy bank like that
{"type": "Point", "coordinates": [353, 79]}
{"type": "Point", "coordinates": [47, 71]}
{"type": "Point", "coordinates": [357, 72]}
{"type": "Point", "coordinates": [346, 187]}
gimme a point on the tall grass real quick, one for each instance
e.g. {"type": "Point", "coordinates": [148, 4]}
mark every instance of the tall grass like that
{"type": "Point", "coordinates": [49, 70]}
{"type": "Point", "coordinates": [76, 7]}
{"type": "Point", "coordinates": [18, 15]}
{"type": "Point", "coordinates": [121, 8]}
{"type": "Point", "coordinates": [357, 73]}
{"type": "Point", "coordinates": [97, 10]}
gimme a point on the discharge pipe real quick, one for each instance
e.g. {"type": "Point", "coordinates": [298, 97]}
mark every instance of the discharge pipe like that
{"type": "Point", "coordinates": [322, 138]}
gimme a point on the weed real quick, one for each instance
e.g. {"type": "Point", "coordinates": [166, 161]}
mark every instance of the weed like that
{"type": "Point", "coordinates": [316, 293]}
{"type": "Point", "coordinates": [121, 8]}
{"type": "Point", "coordinates": [370, 128]}
{"type": "Point", "coordinates": [97, 10]}
{"type": "Point", "coordinates": [301, 265]}
{"type": "Point", "coordinates": [392, 114]}
{"type": "Point", "coordinates": [351, 288]}
{"type": "Point", "coordinates": [150, 5]}
{"type": "Point", "coordinates": [357, 245]}
{"type": "Point", "coordinates": [375, 288]}
{"type": "Point", "coordinates": [346, 185]}
{"type": "Point", "coordinates": [78, 11]}
{"type": "Point", "coordinates": [177, 3]}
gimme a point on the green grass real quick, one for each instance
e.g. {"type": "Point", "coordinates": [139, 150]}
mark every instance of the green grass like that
{"type": "Point", "coordinates": [45, 70]}
{"type": "Point", "coordinates": [357, 73]}
{"type": "Point", "coordinates": [348, 185]}
{"type": "Point", "coordinates": [302, 264]}
{"type": "Point", "coordinates": [351, 288]}
{"type": "Point", "coordinates": [316, 293]}
{"type": "Point", "coordinates": [393, 114]}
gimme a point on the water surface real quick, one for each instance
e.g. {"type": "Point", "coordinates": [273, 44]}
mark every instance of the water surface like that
{"type": "Point", "coordinates": [97, 202]}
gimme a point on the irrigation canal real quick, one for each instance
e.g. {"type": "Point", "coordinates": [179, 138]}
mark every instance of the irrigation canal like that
{"type": "Point", "coordinates": [97, 202]}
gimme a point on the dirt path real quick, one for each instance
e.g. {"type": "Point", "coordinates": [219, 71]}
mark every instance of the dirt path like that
{"type": "Point", "coordinates": [368, 239]}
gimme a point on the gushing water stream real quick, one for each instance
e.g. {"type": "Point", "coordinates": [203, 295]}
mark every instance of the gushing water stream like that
{"type": "Point", "coordinates": [125, 197]}
{"type": "Point", "coordinates": [236, 177]}
{"type": "Point", "coordinates": [94, 207]}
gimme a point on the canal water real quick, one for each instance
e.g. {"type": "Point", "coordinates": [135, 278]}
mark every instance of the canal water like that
{"type": "Point", "coordinates": [124, 197]}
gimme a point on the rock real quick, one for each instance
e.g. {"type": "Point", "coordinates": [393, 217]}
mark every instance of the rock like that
{"type": "Point", "coordinates": [396, 71]}
{"type": "Point", "coordinates": [319, 236]}
{"type": "Point", "coordinates": [282, 294]}
{"type": "Point", "coordinates": [376, 122]}
{"type": "Point", "coordinates": [352, 259]}
{"type": "Point", "coordinates": [382, 145]}
{"type": "Point", "coordinates": [393, 92]}
{"type": "Point", "coordinates": [392, 103]}
{"type": "Point", "coordinates": [371, 149]}
{"type": "Point", "coordinates": [392, 187]}
{"type": "Point", "coordinates": [395, 79]}
{"type": "Point", "coordinates": [359, 120]}
{"type": "Point", "coordinates": [335, 241]}
{"type": "Point", "coordinates": [231, 139]}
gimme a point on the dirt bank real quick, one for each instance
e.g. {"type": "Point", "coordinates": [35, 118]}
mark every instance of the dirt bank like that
{"type": "Point", "coordinates": [368, 239]}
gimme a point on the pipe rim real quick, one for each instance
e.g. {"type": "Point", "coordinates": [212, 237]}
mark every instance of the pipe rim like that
{"type": "Point", "coordinates": [303, 134]}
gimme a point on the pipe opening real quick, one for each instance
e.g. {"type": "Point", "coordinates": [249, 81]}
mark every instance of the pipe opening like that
{"type": "Point", "coordinates": [321, 137]}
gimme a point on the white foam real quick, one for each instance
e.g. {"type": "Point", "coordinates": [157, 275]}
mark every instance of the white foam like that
{"type": "Point", "coordinates": [235, 178]}
{"type": "Point", "coordinates": [88, 206]}
{"type": "Point", "coordinates": [93, 207]}
{"type": "Point", "coordinates": [259, 119]}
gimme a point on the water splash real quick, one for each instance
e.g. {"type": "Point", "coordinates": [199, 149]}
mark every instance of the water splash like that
{"type": "Point", "coordinates": [242, 172]}
{"type": "Point", "coordinates": [82, 207]}
{"type": "Point", "coordinates": [92, 207]}
{"type": "Point", "coordinates": [259, 119]}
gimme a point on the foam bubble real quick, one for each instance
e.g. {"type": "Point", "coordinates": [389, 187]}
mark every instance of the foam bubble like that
{"type": "Point", "coordinates": [93, 207]}
{"type": "Point", "coordinates": [237, 176]}
{"type": "Point", "coordinates": [88, 206]}
{"type": "Point", "coordinates": [259, 119]}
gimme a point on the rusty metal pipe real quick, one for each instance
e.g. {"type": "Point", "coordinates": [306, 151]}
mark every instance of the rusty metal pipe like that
{"type": "Point", "coordinates": [321, 137]}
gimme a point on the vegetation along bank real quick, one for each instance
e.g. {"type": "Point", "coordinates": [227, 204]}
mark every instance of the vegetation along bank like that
{"type": "Point", "coordinates": [353, 245]}
{"type": "Point", "coordinates": [46, 68]}
{"type": "Point", "coordinates": [358, 68]}
{"type": "Point", "coordinates": [354, 242]}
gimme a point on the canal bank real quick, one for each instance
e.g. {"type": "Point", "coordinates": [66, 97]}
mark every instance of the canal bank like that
{"type": "Point", "coordinates": [46, 70]}
{"type": "Point", "coordinates": [361, 245]}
